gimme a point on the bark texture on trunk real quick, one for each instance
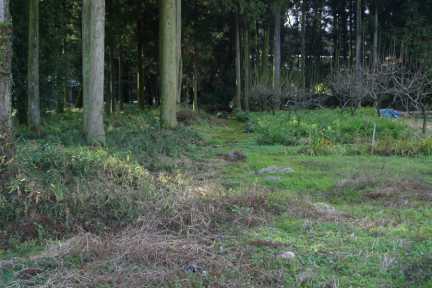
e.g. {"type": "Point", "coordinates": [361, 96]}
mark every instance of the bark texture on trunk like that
{"type": "Point", "coordinates": [237, 97]}
{"type": "Point", "coordinates": [424, 114]}
{"type": "Point", "coordinates": [195, 88]}
{"type": "Point", "coordinates": [109, 101]}
{"type": "Point", "coordinates": [5, 65]}
{"type": "Point", "coordinates": [7, 150]}
{"type": "Point", "coordinates": [246, 65]}
{"type": "Point", "coordinates": [277, 54]}
{"type": "Point", "coordinates": [94, 73]}
{"type": "Point", "coordinates": [168, 63]}
{"type": "Point", "coordinates": [179, 50]}
{"type": "Point", "coordinates": [265, 65]}
{"type": "Point", "coordinates": [86, 14]}
{"type": "Point", "coordinates": [375, 36]}
{"type": "Point", "coordinates": [33, 109]}
{"type": "Point", "coordinates": [303, 42]}
{"type": "Point", "coordinates": [119, 83]}
{"type": "Point", "coordinates": [359, 40]}
{"type": "Point", "coordinates": [140, 63]}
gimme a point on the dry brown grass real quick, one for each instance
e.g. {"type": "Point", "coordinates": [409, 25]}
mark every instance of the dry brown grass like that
{"type": "Point", "coordinates": [386, 189]}
{"type": "Point", "coordinates": [403, 193]}
{"type": "Point", "coordinates": [160, 258]}
{"type": "Point", "coordinates": [303, 208]}
{"type": "Point", "coordinates": [167, 247]}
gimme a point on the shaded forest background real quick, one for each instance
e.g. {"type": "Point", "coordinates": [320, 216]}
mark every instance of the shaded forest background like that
{"type": "Point", "coordinates": [317, 40]}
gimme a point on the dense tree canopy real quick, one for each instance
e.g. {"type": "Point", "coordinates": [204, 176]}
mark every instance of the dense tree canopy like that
{"type": "Point", "coordinates": [234, 53]}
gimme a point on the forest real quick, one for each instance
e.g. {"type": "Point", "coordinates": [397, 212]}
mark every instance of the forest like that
{"type": "Point", "coordinates": [222, 143]}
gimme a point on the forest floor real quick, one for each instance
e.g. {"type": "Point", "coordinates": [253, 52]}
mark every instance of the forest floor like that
{"type": "Point", "coordinates": [249, 215]}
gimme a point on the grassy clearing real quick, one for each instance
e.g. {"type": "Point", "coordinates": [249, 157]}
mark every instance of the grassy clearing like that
{"type": "Point", "coordinates": [351, 220]}
{"type": "Point", "coordinates": [329, 132]}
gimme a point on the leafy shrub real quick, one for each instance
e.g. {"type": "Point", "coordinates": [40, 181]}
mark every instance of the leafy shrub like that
{"type": "Point", "coordinates": [404, 147]}
{"type": "Point", "coordinates": [320, 146]}
{"type": "Point", "coordinates": [75, 187]}
{"type": "Point", "coordinates": [242, 116]}
{"type": "Point", "coordinates": [308, 127]}
{"type": "Point", "coordinates": [62, 185]}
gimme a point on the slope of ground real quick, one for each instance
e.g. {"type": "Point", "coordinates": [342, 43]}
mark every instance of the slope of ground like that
{"type": "Point", "coordinates": [249, 215]}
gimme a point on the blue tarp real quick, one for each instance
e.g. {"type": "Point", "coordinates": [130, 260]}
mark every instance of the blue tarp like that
{"type": "Point", "coordinates": [390, 113]}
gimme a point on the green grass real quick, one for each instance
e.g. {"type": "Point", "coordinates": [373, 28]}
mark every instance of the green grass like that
{"type": "Point", "coordinates": [377, 246]}
{"type": "Point", "coordinates": [376, 232]}
{"type": "Point", "coordinates": [333, 132]}
{"type": "Point", "coordinates": [64, 185]}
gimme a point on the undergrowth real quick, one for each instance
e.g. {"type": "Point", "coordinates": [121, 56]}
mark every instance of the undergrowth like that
{"type": "Point", "coordinates": [324, 132]}
{"type": "Point", "coordinates": [160, 208]}
{"type": "Point", "coordinates": [62, 185]}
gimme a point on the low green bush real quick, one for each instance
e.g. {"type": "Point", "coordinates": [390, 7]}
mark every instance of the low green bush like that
{"type": "Point", "coordinates": [403, 147]}
{"type": "Point", "coordinates": [80, 187]}
{"type": "Point", "coordinates": [62, 185]}
{"type": "Point", "coordinates": [309, 127]}
{"type": "Point", "coordinates": [242, 116]}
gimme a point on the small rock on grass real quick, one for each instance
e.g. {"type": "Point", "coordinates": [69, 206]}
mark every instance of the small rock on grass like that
{"type": "Point", "coordinates": [234, 156]}
{"type": "Point", "coordinates": [325, 208]}
{"type": "Point", "coordinates": [288, 256]}
{"type": "Point", "coordinates": [305, 276]}
{"type": "Point", "coordinates": [193, 268]}
{"type": "Point", "coordinates": [275, 170]}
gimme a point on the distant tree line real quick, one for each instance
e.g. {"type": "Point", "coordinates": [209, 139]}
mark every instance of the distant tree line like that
{"type": "Point", "coordinates": [102, 55]}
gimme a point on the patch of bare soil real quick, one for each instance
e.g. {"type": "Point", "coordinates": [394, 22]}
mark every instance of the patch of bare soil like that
{"type": "Point", "coordinates": [306, 209]}
{"type": "Point", "coordinates": [388, 190]}
{"type": "Point", "coordinates": [403, 193]}
{"type": "Point", "coordinates": [187, 117]}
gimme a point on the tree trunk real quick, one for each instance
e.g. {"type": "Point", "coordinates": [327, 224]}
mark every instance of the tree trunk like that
{"type": "Point", "coordinates": [168, 63]}
{"type": "Point", "coordinates": [246, 65]}
{"type": "Point", "coordinates": [375, 36]}
{"type": "Point", "coordinates": [317, 42]}
{"type": "Point", "coordinates": [257, 54]}
{"type": "Point", "coordinates": [277, 54]}
{"type": "Point", "coordinates": [33, 110]}
{"type": "Point", "coordinates": [424, 126]}
{"type": "Point", "coordinates": [94, 52]}
{"type": "Point", "coordinates": [336, 38]}
{"type": "Point", "coordinates": [237, 97]}
{"type": "Point", "coordinates": [179, 50]}
{"type": "Point", "coordinates": [351, 40]}
{"type": "Point", "coordinates": [83, 97]}
{"type": "Point", "coordinates": [7, 150]}
{"type": "Point", "coordinates": [359, 40]}
{"type": "Point", "coordinates": [195, 88]}
{"type": "Point", "coordinates": [109, 101]}
{"type": "Point", "coordinates": [119, 84]}
{"type": "Point", "coordinates": [303, 42]}
{"type": "Point", "coordinates": [140, 63]}
{"type": "Point", "coordinates": [265, 71]}
{"type": "Point", "coordinates": [61, 79]}
{"type": "Point", "coordinates": [344, 35]}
